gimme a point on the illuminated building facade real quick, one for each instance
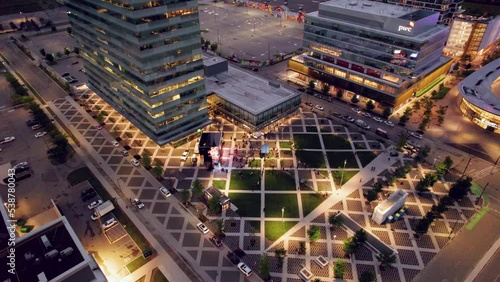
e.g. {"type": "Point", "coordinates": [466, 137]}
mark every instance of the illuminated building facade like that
{"type": "Point", "coordinates": [446, 8]}
{"type": "Point", "coordinates": [377, 51]}
{"type": "Point", "coordinates": [480, 96]}
{"type": "Point", "coordinates": [144, 59]}
{"type": "Point", "coordinates": [472, 36]}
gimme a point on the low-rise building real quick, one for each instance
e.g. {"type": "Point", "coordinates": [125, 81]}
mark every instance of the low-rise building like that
{"type": "Point", "coordinates": [224, 201]}
{"type": "Point", "coordinates": [389, 206]}
{"type": "Point", "coordinates": [245, 98]}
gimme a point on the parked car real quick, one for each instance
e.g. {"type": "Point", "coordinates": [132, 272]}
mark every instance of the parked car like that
{"type": "Point", "coordinates": [356, 110]}
{"type": "Point", "coordinates": [394, 154]}
{"type": "Point", "coordinates": [244, 269]}
{"type": "Point", "coordinates": [65, 74]}
{"type": "Point", "coordinates": [185, 155]}
{"type": "Point", "coordinates": [309, 104]}
{"type": "Point", "coordinates": [8, 139]}
{"type": "Point", "coordinates": [20, 165]}
{"type": "Point", "coordinates": [40, 134]}
{"type": "Point", "coordinates": [74, 63]}
{"type": "Point", "coordinates": [99, 127]}
{"type": "Point", "coordinates": [417, 135]}
{"type": "Point", "coordinates": [87, 192]}
{"type": "Point", "coordinates": [124, 153]}
{"type": "Point", "coordinates": [31, 122]}
{"type": "Point", "coordinates": [233, 258]}
{"type": "Point", "coordinates": [309, 91]}
{"type": "Point", "coordinates": [366, 114]}
{"type": "Point", "coordinates": [318, 95]}
{"type": "Point", "coordinates": [94, 204]}
{"type": "Point", "coordinates": [164, 191]}
{"type": "Point", "coordinates": [87, 197]}
{"type": "Point", "coordinates": [320, 108]}
{"type": "Point", "coordinates": [202, 228]}
{"type": "Point", "coordinates": [36, 126]}
{"type": "Point", "coordinates": [138, 203]}
{"type": "Point", "coordinates": [389, 123]}
{"type": "Point", "coordinates": [377, 119]}
{"type": "Point", "coordinates": [110, 223]}
{"type": "Point", "coordinates": [135, 162]}
{"type": "Point", "coordinates": [335, 114]}
{"type": "Point", "coordinates": [217, 242]}
{"type": "Point", "coordinates": [302, 89]}
{"type": "Point", "coordinates": [349, 119]}
{"type": "Point", "coordinates": [115, 143]}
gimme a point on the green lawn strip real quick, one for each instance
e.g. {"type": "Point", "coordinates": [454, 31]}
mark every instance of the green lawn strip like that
{"type": "Point", "coordinates": [477, 217]}
{"type": "Point", "coordinates": [137, 263]}
{"type": "Point", "coordinates": [275, 202]}
{"type": "Point", "coordinates": [248, 204]}
{"type": "Point", "coordinates": [333, 141]}
{"type": "Point", "coordinates": [366, 157]}
{"type": "Point", "coordinates": [286, 145]}
{"type": "Point", "coordinates": [336, 159]}
{"type": "Point", "coordinates": [254, 163]}
{"type": "Point", "coordinates": [255, 224]}
{"type": "Point", "coordinates": [158, 276]}
{"type": "Point", "coordinates": [279, 180]}
{"type": "Point", "coordinates": [441, 93]}
{"type": "Point", "coordinates": [63, 125]}
{"type": "Point", "coordinates": [306, 141]}
{"type": "Point", "coordinates": [276, 229]}
{"type": "Point", "coordinates": [219, 184]}
{"type": "Point", "coordinates": [84, 173]}
{"type": "Point", "coordinates": [312, 159]}
{"type": "Point", "coordinates": [247, 181]}
{"type": "Point", "coordinates": [310, 202]}
{"type": "Point", "coordinates": [429, 87]}
{"type": "Point", "coordinates": [348, 174]}
{"type": "Point", "coordinates": [477, 189]}
{"type": "Point", "coordinates": [31, 89]}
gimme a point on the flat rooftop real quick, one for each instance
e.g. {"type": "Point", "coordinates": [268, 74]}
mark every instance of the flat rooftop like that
{"type": "Point", "coordinates": [247, 91]}
{"type": "Point", "coordinates": [391, 200]}
{"type": "Point", "coordinates": [378, 8]}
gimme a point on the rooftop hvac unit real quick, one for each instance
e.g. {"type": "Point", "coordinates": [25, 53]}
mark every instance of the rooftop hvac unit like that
{"type": "Point", "coordinates": [66, 252]}
{"type": "Point", "coordinates": [29, 256]}
{"type": "Point", "coordinates": [52, 254]}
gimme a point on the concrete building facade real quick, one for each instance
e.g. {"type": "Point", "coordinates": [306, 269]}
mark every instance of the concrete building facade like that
{"type": "Point", "coordinates": [446, 8]}
{"type": "Point", "coordinates": [144, 59]}
{"type": "Point", "coordinates": [376, 51]}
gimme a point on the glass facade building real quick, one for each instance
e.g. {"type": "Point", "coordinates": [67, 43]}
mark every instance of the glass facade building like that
{"type": "Point", "coordinates": [144, 59]}
{"type": "Point", "coordinates": [446, 8]}
{"type": "Point", "coordinates": [373, 49]}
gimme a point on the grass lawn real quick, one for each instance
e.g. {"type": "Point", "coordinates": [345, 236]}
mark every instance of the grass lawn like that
{"type": "Point", "coordinates": [366, 157]}
{"type": "Point", "coordinates": [158, 276]}
{"type": "Point", "coordinates": [312, 159]}
{"type": "Point", "coordinates": [219, 184]}
{"type": "Point", "coordinates": [279, 180]}
{"type": "Point", "coordinates": [255, 224]}
{"type": "Point", "coordinates": [245, 181]}
{"type": "Point", "coordinates": [310, 202]}
{"type": "Point", "coordinates": [275, 229]}
{"type": "Point", "coordinates": [248, 204]}
{"type": "Point", "coordinates": [337, 175]}
{"type": "Point", "coordinates": [336, 159]}
{"type": "Point", "coordinates": [333, 141]}
{"type": "Point", "coordinates": [286, 144]}
{"type": "Point", "coordinates": [254, 163]}
{"type": "Point", "coordinates": [82, 174]}
{"type": "Point", "coordinates": [275, 202]}
{"type": "Point", "coordinates": [306, 141]}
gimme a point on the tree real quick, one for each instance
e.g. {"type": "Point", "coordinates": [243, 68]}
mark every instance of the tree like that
{"type": "Point", "coordinates": [76, 50]}
{"type": "Point", "coordinates": [220, 226]}
{"type": "Point", "coordinates": [197, 188]}
{"type": "Point", "coordinates": [185, 195]}
{"type": "Point", "coordinates": [460, 188]}
{"type": "Point", "coordinates": [441, 169]}
{"type": "Point", "coordinates": [339, 268]}
{"type": "Point", "coordinates": [448, 162]}
{"type": "Point", "coordinates": [367, 276]}
{"type": "Point", "coordinates": [302, 248]}
{"type": "Point", "coordinates": [416, 105]}
{"type": "Point", "coordinates": [377, 187]}
{"type": "Point", "coordinates": [49, 57]}
{"type": "Point", "coordinates": [264, 267]}
{"type": "Point", "coordinates": [42, 52]}
{"type": "Point", "coordinates": [314, 233]}
{"type": "Point", "coordinates": [422, 225]}
{"type": "Point", "coordinates": [360, 237]}
{"type": "Point", "coordinates": [157, 170]}
{"type": "Point", "coordinates": [354, 99]}
{"type": "Point", "coordinates": [403, 119]}
{"type": "Point", "coordinates": [214, 47]}
{"type": "Point", "coordinates": [370, 105]}
{"type": "Point", "coordinates": [401, 142]}
{"type": "Point", "coordinates": [349, 246]}
{"type": "Point", "coordinates": [335, 220]}
{"type": "Point", "coordinates": [214, 204]}
{"type": "Point", "coordinates": [386, 259]}
{"type": "Point", "coordinates": [325, 88]}
{"type": "Point", "coordinates": [423, 153]}
{"type": "Point", "coordinates": [69, 30]}
{"type": "Point", "coordinates": [280, 255]}
{"type": "Point", "coordinates": [400, 172]}
{"type": "Point", "coordinates": [340, 93]}
{"type": "Point", "coordinates": [312, 84]}
{"type": "Point", "coordinates": [146, 159]}
{"type": "Point", "coordinates": [371, 196]}
{"type": "Point", "coordinates": [387, 112]}
{"type": "Point", "coordinates": [408, 112]}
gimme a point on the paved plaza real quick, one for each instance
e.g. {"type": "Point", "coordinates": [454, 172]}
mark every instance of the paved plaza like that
{"type": "Point", "coordinates": [311, 194]}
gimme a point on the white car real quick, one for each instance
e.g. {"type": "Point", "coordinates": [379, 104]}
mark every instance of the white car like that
{"type": "Point", "coordinates": [350, 119]}
{"type": "Point", "coordinates": [138, 203]}
{"type": "Point", "coordinates": [367, 127]}
{"type": "Point", "coordinates": [318, 107]}
{"type": "Point", "coordinates": [356, 110]}
{"type": "Point", "coordinates": [417, 135]}
{"type": "Point", "coordinates": [389, 123]}
{"type": "Point", "coordinates": [366, 114]}
{"type": "Point", "coordinates": [8, 139]}
{"type": "Point", "coordinates": [135, 162]}
{"type": "Point", "coordinates": [36, 126]}
{"type": "Point", "coordinates": [20, 165]}
{"type": "Point", "coordinates": [377, 119]}
{"type": "Point", "coordinates": [245, 269]}
{"type": "Point", "coordinates": [164, 191]}
{"type": "Point", "coordinates": [40, 134]}
{"type": "Point", "coordinates": [185, 156]}
{"type": "Point", "coordinates": [115, 143]}
{"type": "Point", "coordinates": [94, 204]}
{"type": "Point", "coordinates": [202, 228]}
{"type": "Point", "coordinates": [110, 223]}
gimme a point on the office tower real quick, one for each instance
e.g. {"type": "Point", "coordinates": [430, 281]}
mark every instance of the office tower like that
{"type": "Point", "coordinates": [446, 8]}
{"type": "Point", "coordinates": [144, 59]}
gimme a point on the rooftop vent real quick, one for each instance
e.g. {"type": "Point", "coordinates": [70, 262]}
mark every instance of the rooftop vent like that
{"type": "Point", "coordinates": [367, 4]}
{"type": "Point", "coordinates": [488, 74]}
{"type": "Point", "coordinates": [353, 3]}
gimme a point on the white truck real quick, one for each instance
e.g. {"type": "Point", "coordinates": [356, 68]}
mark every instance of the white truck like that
{"type": "Point", "coordinates": [102, 209]}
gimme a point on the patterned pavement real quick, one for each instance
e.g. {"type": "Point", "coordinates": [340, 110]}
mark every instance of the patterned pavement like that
{"type": "Point", "coordinates": [248, 233]}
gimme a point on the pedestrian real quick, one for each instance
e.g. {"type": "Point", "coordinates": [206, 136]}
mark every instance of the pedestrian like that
{"type": "Point", "coordinates": [361, 179]}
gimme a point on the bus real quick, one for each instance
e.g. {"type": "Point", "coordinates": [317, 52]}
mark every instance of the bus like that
{"type": "Point", "coordinates": [381, 132]}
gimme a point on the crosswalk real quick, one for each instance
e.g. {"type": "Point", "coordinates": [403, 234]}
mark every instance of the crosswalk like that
{"type": "Point", "coordinates": [483, 172]}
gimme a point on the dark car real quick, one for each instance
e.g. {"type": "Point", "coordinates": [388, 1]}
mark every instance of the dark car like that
{"type": "Point", "coordinates": [31, 122]}
{"type": "Point", "coordinates": [74, 63]}
{"type": "Point", "coordinates": [302, 89]}
{"type": "Point", "coordinates": [233, 258]}
{"type": "Point", "coordinates": [394, 154]}
{"type": "Point", "coordinates": [217, 242]}
{"type": "Point", "coordinates": [309, 104]}
{"type": "Point", "coordinates": [335, 114]}
{"type": "Point", "coordinates": [255, 69]}
{"type": "Point", "coordinates": [87, 191]}
{"type": "Point", "coordinates": [309, 91]}
{"type": "Point", "coordinates": [87, 197]}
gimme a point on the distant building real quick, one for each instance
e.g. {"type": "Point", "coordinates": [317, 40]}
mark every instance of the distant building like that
{"type": "Point", "coordinates": [49, 253]}
{"type": "Point", "coordinates": [224, 201]}
{"type": "Point", "coordinates": [471, 36]}
{"type": "Point", "coordinates": [374, 51]}
{"type": "Point", "coordinates": [480, 96]}
{"type": "Point", "coordinates": [389, 206]}
{"type": "Point", "coordinates": [245, 98]}
{"type": "Point", "coordinates": [446, 8]}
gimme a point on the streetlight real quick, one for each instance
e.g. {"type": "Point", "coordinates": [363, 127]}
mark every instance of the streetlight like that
{"type": "Point", "coordinates": [283, 214]}
{"type": "Point", "coordinates": [434, 163]}
{"type": "Point", "coordinates": [342, 177]}
{"type": "Point", "coordinates": [334, 237]}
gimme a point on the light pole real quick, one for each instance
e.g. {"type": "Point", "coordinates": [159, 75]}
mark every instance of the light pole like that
{"type": "Point", "coordinates": [283, 214]}
{"type": "Point", "coordinates": [434, 163]}
{"type": "Point", "coordinates": [463, 173]}
{"type": "Point", "coordinates": [482, 192]}
{"type": "Point", "coordinates": [342, 176]}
